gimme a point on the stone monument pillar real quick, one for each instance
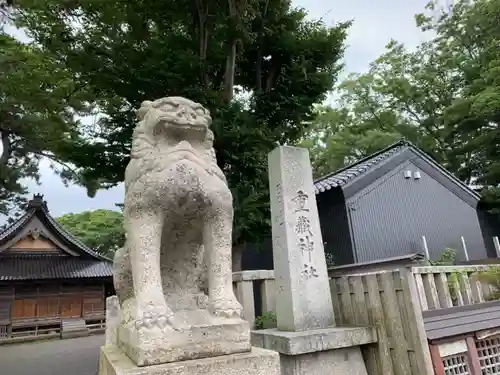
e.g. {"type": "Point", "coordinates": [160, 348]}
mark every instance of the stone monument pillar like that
{"type": "Point", "coordinates": [177, 310]}
{"type": "Point", "coordinates": [306, 337]}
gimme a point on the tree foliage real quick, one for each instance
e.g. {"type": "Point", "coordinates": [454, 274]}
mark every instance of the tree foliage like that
{"type": "Point", "coordinates": [207, 50]}
{"type": "Point", "coordinates": [101, 230]}
{"type": "Point", "coordinates": [443, 96]}
{"type": "Point", "coordinates": [38, 101]}
{"type": "Point", "coordinates": [339, 138]}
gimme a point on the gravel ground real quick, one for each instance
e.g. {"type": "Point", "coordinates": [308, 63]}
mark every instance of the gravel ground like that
{"type": "Point", "coordinates": [54, 357]}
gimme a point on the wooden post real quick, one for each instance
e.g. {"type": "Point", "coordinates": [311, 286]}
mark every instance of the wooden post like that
{"type": "Point", "coordinates": [426, 248]}
{"type": "Point", "coordinates": [383, 349]}
{"type": "Point", "coordinates": [465, 248]}
{"type": "Point", "coordinates": [497, 245]}
{"type": "Point", "coordinates": [437, 362]}
{"type": "Point", "coordinates": [474, 364]}
{"type": "Point", "coordinates": [414, 315]}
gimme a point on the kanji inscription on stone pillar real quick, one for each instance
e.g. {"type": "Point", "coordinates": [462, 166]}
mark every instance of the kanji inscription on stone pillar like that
{"type": "Point", "coordinates": [303, 290]}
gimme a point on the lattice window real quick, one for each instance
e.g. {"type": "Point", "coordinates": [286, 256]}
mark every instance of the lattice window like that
{"type": "Point", "coordinates": [488, 351]}
{"type": "Point", "coordinates": [456, 364]}
{"type": "Point", "coordinates": [4, 331]}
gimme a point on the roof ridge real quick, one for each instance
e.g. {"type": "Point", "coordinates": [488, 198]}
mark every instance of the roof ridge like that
{"type": "Point", "coordinates": [9, 229]}
{"type": "Point", "coordinates": [401, 142]}
{"type": "Point", "coordinates": [69, 236]}
{"type": "Point", "coordinates": [451, 175]}
{"type": "Point", "coordinates": [344, 175]}
{"type": "Point", "coordinates": [64, 233]}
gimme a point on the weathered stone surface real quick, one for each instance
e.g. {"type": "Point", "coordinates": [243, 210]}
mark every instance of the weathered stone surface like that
{"type": "Point", "coordinates": [256, 362]}
{"type": "Point", "coordinates": [306, 338]}
{"type": "Point", "coordinates": [199, 341]}
{"type": "Point", "coordinates": [253, 275]}
{"type": "Point", "coordinates": [173, 276]}
{"type": "Point", "coordinates": [112, 320]}
{"type": "Point", "coordinates": [303, 299]}
{"type": "Point", "coordinates": [294, 343]}
{"type": "Point", "coordinates": [347, 361]}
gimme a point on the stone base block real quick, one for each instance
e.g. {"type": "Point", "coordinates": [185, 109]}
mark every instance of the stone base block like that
{"type": "Point", "coordinates": [318, 340]}
{"type": "Point", "coordinates": [346, 361]}
{"type": "Point", "coordinates": [258, 361]}
{"type": "Point", "coordinates": [153, 347]}
{"type": "Point", "coordinates": [318, 352]}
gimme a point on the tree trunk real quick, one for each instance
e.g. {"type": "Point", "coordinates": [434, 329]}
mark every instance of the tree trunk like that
{"type": "Point", "coordinates": [231, 53]}
{"type": "Point", "coordinates": [229, 74]}
{"type": "Point", "coordinates": [258, 67]}
{"type": "Point", "coordinates": [6, 150]}
{"type": "Point", "coordinates": [202, 13]}
{"type": "Point", "coordinates": [238, 256]}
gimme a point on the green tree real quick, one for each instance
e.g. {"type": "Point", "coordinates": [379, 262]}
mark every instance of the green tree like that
{"type": "Point", "coordinates": [207, 50]}
{"type": "Point", "coordinates": [443, 96]}
{"type": "Point", "coordinates": [467, 41]}
{"type": "Point", "coordinates": [38, 101]}
{"type": "Point", "coordinates": [101, 230]}
{"type": "Point", "coordinates": [338, 138]}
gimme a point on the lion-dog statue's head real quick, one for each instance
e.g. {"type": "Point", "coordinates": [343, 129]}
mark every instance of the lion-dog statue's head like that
{"type": "Point", "coordinates": [170, 129]}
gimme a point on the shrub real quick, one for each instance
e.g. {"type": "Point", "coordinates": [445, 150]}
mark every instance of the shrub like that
{"type": "Point", "coordinates": [266, 321]}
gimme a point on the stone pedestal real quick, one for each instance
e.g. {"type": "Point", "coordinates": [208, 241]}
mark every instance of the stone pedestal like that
{"type": "Point", "coordinates": [256, 362]}
{"type": "Point", "coordinates": [213, 337]}
{"type": "Point", "coordinates": [318, 352]}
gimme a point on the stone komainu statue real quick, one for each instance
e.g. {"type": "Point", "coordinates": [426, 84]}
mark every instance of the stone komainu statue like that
{"type": "Point", "coordinates": [173, 278]}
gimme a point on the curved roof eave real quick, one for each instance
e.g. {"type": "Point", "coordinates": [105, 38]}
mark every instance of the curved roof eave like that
{"type": "Point", "coordinates": [57, 228]}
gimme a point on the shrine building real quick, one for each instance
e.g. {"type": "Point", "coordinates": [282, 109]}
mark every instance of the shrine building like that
{"type": "Point", "coordinates": [51, 284]}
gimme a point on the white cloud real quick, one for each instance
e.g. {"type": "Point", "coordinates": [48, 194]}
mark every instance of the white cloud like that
{"type": "Point", "coordinates": [375, 23]}
{"type": "Point", "coordinates": [17, 33]}
{"type": "Point", "coordinates": [62, 200]}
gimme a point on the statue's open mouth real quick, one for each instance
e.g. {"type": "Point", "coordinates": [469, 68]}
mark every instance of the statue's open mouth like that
{"type": "Point", "coordinates": [182, 123]}
{"type": "Point", "coordinates": [183, 147]}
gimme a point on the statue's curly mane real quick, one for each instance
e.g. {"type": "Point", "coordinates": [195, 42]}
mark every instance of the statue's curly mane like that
{"type": "Point", "coordinates": [144, 151]}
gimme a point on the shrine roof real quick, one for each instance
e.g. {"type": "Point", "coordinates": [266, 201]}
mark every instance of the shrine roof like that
{"type": "Point", "coordinates": [44, 267]}
{"type": "Point", "coordinates": [37, 222]}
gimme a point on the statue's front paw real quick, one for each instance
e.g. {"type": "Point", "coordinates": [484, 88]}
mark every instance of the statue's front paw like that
{"type": "Point", "coordinates": [151, 316]}
{"type": "Point", "coordinates": [179, 324]}
{"type": "Point", "coordinates": [226, 307]}
{"type": "Point", "coordinates": [202, 301]}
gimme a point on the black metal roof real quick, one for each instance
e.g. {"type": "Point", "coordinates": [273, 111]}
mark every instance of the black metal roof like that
{"type": "Point", "coordinates": [346, 175]}
{"type": "Point", "coordinates": [44, 267]}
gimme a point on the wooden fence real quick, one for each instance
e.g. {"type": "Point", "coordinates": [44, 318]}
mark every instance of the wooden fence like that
{"type": "Point", "coordinates": [385, 299]}
{"type": "Point", "coordinates": [449, 286]}
{"type": "Point", "coordinates": [388, 301]}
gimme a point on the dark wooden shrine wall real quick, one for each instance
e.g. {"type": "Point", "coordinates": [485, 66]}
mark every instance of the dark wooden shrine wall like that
{"type": "Point", "coordinates": [28, 302]}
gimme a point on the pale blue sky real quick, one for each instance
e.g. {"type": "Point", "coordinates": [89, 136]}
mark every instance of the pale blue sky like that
{"type": "Point", "coordinates": [375, 23]}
